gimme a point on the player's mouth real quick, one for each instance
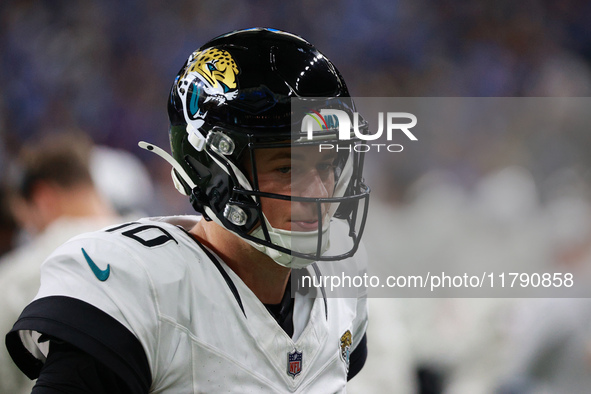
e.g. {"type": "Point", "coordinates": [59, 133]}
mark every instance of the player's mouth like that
{"type": "Point", "coordinates": [304, 225]}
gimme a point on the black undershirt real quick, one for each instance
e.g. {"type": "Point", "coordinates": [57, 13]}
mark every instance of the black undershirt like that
{"type": "Point", "coordinates": [283, 312]}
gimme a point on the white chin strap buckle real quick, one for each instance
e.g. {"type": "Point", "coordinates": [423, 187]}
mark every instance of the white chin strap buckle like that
{"type": "Point", "coordinates": [195, 138]}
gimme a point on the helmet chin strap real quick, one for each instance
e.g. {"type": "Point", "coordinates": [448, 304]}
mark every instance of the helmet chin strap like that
{"type": "Point", "coordinates": [297, 241]}
{"type": "Point", "coordinates": [301, 242]}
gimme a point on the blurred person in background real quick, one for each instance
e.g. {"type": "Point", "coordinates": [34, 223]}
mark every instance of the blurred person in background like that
{"type": "Point", "coordinates": [8, 227]}
{"type": "Point", "coordinates": [53, 180]}
{"type": "Point", "coordinates": [53, 199]}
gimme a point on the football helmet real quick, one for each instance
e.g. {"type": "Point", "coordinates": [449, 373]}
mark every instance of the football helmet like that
{"type": "Point", "coordinates": [235, 95]}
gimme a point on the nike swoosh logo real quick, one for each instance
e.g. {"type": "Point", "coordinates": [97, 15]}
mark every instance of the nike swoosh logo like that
{"type": "Point", "coordinates": [100, 274]}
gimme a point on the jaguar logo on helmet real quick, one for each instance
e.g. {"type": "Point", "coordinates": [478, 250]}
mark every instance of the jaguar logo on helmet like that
{"type": "Point", "coordinates": [209, 79]}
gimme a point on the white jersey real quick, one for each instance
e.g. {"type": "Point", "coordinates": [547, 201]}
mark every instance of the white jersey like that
{"type": "Point", "coordinates": [149, 301]}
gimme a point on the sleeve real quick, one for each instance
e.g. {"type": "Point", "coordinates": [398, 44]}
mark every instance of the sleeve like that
{"type": "Point", "coordinates": [96, 296]}
{"type": "Point", "coordinates": [86, 328]}
{"type": "Point", "coordinates": [68, 369]}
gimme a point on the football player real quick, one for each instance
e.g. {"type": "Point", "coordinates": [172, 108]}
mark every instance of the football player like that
{"type": "Point", "coordinates": [213, 303]}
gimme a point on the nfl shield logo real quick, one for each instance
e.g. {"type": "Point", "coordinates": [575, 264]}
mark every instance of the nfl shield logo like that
{"type": "Point", "coordinates": [294, 363]}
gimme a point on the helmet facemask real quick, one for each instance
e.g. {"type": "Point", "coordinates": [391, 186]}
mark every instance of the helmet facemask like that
{"type": "Point", "coordinates": [244, 211]}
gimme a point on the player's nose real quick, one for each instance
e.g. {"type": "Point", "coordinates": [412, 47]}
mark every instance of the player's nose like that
{"type": "Point", "coordinates": [313, 186]}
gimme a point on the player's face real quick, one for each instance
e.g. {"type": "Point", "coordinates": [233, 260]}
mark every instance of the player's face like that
{"type": "Point", "coordinates": [301, 171]}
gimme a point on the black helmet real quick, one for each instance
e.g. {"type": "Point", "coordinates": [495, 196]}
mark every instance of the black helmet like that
{"type": "Point", "coordinates": [236, 94]}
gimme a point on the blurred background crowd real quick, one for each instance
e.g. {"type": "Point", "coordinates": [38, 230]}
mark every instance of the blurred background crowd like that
{"type": "Point", "coordinates": [101, 71]}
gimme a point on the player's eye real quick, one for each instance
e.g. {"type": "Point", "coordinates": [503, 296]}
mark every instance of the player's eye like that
{"type": "Point", "coordinates": [284, 170]}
